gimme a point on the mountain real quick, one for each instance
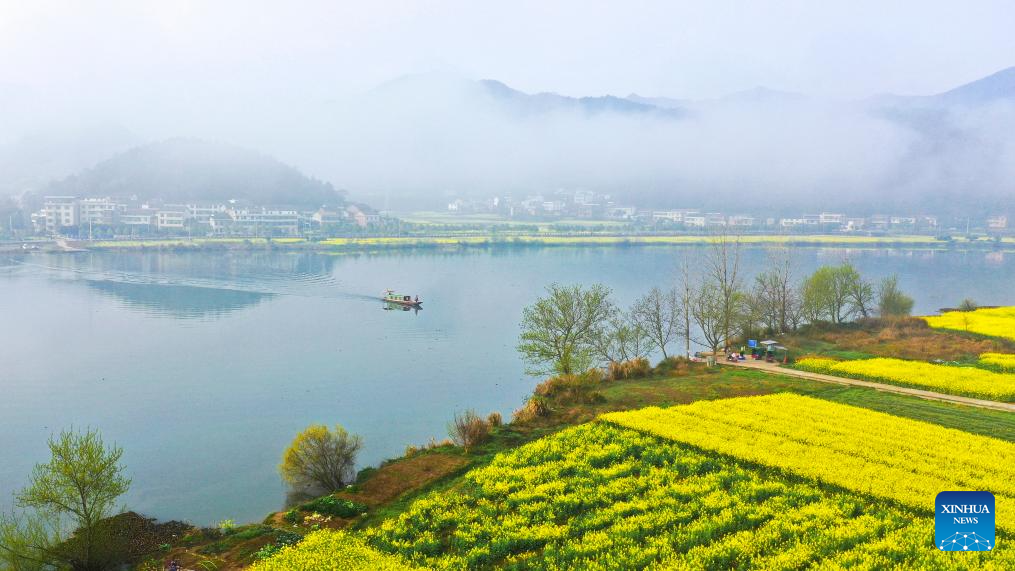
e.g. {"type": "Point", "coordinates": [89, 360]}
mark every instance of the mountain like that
{"type": "Point", "coordinates": [429, 88]}
{"type": "Point", "coordinates": [660, 102]}
{"type": "Point", "coordinates": [190, 170]}
{"type": "Point", "coordinates": [998, 86]}
{"type": "Point", "coordinates": [548, 101]}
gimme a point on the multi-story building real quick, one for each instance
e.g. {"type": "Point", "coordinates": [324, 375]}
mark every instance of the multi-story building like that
{"type": "Point", "coordinates": [675, 216]}
{"type": "Point", "coordinates": [831, 218]}
{"type": "Point", "coordinates": [741, 221]}
{"type": "Point", "coordinates": [715, 219]}
{"type": "Point", "coordinates": [140, 218]}
{"type": "Point", "coordinates": [266, 221]}
{"type": "Point", "coordinates": [997, 223]}
{"type": "Point", "coordinates": [694, 220]}
{"type": "Point", "coordinates": [99, 211]}
{"type": "Point", "coordinates": [202, 213]}
{"type": "Point", "coordinates": [171, 218]}
{"type": "Point", "coordinates": [60, 212]}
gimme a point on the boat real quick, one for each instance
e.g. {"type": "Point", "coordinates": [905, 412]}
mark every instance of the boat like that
{"type": "Point", "coordinates": [404, 300]}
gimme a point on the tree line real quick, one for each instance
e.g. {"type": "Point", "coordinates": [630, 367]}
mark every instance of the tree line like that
{"type": "Point", "coordinates": [711, 305]}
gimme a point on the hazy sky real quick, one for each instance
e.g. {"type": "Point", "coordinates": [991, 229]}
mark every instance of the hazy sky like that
{"type": "Point", "coordinates": [678, 49]}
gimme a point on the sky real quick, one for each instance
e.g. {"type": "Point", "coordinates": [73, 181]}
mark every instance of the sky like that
{"type": "Point", "coordinates": [316, 84]}
{"type": "Point", "coordinates": [676, 49]}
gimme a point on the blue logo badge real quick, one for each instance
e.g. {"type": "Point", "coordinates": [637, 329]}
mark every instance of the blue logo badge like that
{"type": "Point", "coordinates": [964, 521]}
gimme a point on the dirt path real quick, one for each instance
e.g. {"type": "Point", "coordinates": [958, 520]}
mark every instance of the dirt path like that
{"type": "Point", "coordinates": [774, 369]}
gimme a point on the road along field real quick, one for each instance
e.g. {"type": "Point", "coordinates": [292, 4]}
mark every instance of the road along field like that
{"type": "Point", "coordinates": [993, 322]}
{"type": "Point", "coordinates": [955, 380]}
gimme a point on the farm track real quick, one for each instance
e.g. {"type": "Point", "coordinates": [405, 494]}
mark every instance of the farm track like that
{"type": "Point", "coordinates": [929, 395]}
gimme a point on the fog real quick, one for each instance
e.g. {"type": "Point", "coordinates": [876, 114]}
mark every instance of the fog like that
{"type": "Point", "coordinates": [385, 99]}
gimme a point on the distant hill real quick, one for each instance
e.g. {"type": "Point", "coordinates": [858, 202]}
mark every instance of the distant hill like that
{"type": "Point", "coordinates": [1000, 85]}
{"type": "Point", "coordinates": [549, 101]}
{"type": "Point", "coordinates": [188, 170]}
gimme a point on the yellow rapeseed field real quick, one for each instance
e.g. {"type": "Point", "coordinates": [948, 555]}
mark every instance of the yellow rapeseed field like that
{"type": "Point", "coordinates": [328, 550]}
{"type": "Point", "coordinates": [869, 452]}
{"type": "Point", "coordinates": [1004, 361]}
{"type": "Point", "coordinates": [955, 380]}
{"type": "Point", "coordinates": [995, 322]}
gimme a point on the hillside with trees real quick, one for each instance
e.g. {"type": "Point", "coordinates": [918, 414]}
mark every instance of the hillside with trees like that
{"type": "Point", "coordinates": [193, 170]}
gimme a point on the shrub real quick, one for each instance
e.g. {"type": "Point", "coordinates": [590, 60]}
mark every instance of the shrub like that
{"type": "Point", "coordinates": [535, 407]}
{"type": "Point", "coordinates": [227, 526]}
{"type": "Point", "coordinates": [321, 458]}
{"type": "Point", "coordinates": [330, 505]}
{"type": "Point", "coordinates": [673, 366]}
{"type": "Point", "coordinates": [494, 420]}
{"type": "Point", "coordinates": [292, 516]}
{"type": "Point", "coordinates": [632, 369]}
{"type": "Point", "coordinates": [468, 430]}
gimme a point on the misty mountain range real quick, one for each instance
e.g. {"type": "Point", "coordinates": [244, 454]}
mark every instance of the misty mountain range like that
{"type": "Point", "coordinates": [419, 140]}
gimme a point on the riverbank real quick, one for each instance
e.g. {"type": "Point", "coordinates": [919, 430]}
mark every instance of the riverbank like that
{"type": "Point", "coordinates": [493, 240]}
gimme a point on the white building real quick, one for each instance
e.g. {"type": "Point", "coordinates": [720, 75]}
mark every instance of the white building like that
{"type": "Point", "coordinates": [170, 219]}
{"type": "Point", "coordinates": [831, 218]}
{"type": "Point", "coordinates": [99, 211]}
{"type": "Point", "coordinates": [694, 220]}
{"type": "Point", "coordinates": [741, 221]}
{"type": "Point", "coordinates": [203, 213]}
{"type": "Point", "coordinates": [60, 212]}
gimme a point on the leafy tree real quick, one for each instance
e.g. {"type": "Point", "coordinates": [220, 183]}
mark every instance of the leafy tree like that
{"type": "Point", "coordinates": [559, 330]}
{"type": "Point", "coordinates": [319, 458]}
{"type": "Point", "coordinates": [836, 293]}
{"type": "Point", "coordinates": [657, 313]}
{"type": "Point", "coordinates": [891, 301]}
{"type": "Point", "coordinates": [75, 490]}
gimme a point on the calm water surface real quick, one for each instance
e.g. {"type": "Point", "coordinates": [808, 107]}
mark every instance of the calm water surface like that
{"type": "Point", "coordinates": [204, 365]}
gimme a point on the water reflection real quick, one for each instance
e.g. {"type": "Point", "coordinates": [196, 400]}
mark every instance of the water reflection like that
{"type": "Point", "coordinates": [178, 301]}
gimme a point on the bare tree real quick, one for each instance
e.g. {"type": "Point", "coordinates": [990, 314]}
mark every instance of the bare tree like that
{"type": "Point", "coordinates": [723, 273]}
{"type": "Point", "coordinates": [776, 296]}
{"type": "Point", "coordinates": [859, 291]}
{"type": "Point", "coordinates": [685, 297]}
{"type": "Point", "coordinates": [657, 313]}
{"type": "Point", "coordinates": [707, 311]}
{"type": "Point", "coordinates": [621, 339]}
